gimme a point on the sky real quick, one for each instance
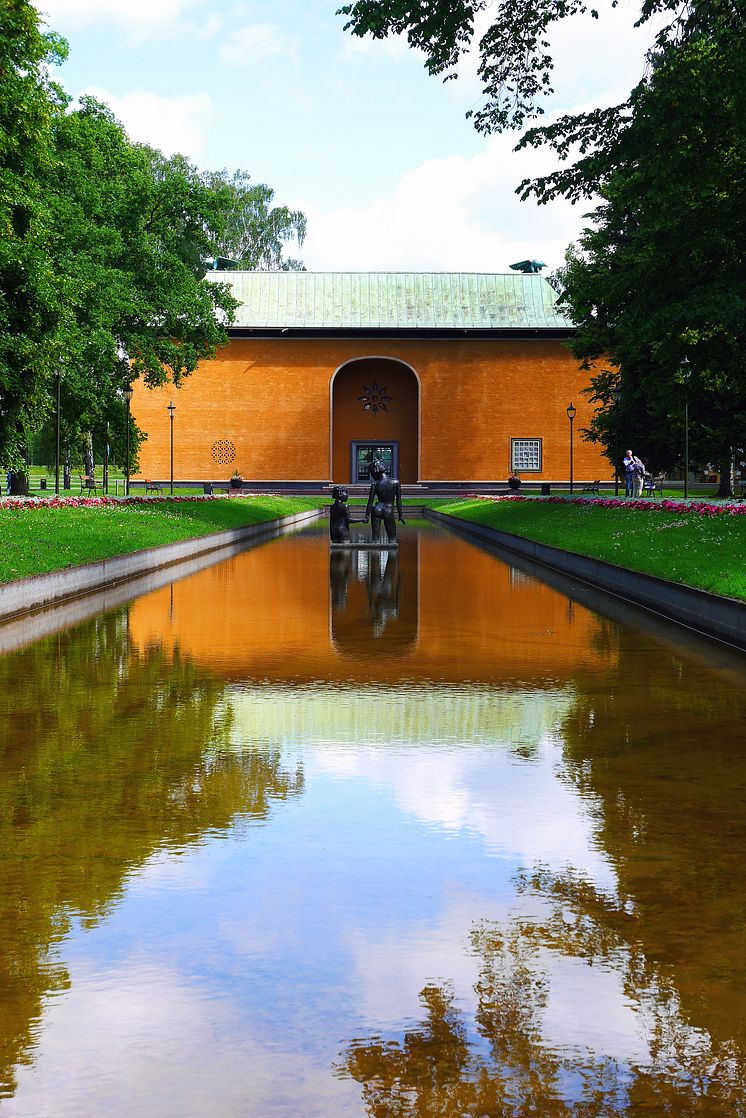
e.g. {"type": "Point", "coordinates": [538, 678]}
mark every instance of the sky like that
{"type": "Point", "coordinates": [352, 131]}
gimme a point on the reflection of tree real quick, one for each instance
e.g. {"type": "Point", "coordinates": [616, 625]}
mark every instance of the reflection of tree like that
{"type": "Point", "coordinates": [656, 748]}
{"type": "Point", "coordinates": [501, 1064]}
{"type": "Point", "coordinates": [107, 753]}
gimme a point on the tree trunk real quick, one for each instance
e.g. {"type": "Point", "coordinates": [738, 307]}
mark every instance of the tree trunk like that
{"type": "Point", "coordinates": [725, 488]}
{"type": "Point", "coordinates": [89, 461]}
{"type": "Point", "coordinates": [67, 469]}
{"type": "Point", "coordinates": [18, 484]}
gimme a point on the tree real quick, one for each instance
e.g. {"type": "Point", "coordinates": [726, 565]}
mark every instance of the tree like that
{"type": "Point", "coordinates": [130, 232]}
{"type": "Point", "coordinates": [29, 310]}
{"type": "Point", "coordinates": [657, 287]}
{"type": "Point", "coordinates": [515, 66]}
{"type": "Point", "coordinates": [669, 164]}
{"type": "Point", "coordinates": [256, 233]}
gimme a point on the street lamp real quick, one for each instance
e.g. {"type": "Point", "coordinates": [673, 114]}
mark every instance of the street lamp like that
{"type": "Point", "coordinates": [616, 395]}
{"type": "Point", "coordinates": [686, 372]}
{"type": "Point", "coordinates": [571, 413]}
{"type": "Point", "coordinates": [171, 409]}
{"type": "Point", "coordinates": [128, 398]}
{"type": "Point", "coordinates": [57, 446]}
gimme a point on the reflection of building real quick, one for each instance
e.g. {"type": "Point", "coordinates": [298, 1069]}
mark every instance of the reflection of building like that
{"type": "Point", "coordinates": [270, 615]}
{"type": "Point", "coordinates": [448, 377]}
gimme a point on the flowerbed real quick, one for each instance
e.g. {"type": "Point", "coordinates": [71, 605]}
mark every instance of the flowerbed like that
{"type": "Point", "coordinates": [701, 508]}
{"type": "Point", "coordinates": [30, 503]}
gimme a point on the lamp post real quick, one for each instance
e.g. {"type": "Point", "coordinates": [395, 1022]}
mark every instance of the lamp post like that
{"type": "Point", "coordinates": [686, 372]}
{"type": "Point", "coordinates": [571, 413]}
{"type": "Point", "coordinates": [57, 444]}
{"type": "Point", "coordinates": [171, 409]}
{"type": "Point", "coordinates": [128, 398]}
{"type": "Point", "coordinates": [616, 396]}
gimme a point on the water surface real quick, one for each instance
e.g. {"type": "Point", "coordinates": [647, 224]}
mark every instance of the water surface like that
{"type": "Point", "coordinates": [371, 834]}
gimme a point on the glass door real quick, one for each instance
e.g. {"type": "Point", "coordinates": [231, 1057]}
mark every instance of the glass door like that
{"type": "Point", "coordinates": [363, 455]}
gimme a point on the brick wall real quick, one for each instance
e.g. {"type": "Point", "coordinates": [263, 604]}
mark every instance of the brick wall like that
{"type": "Point", "coordinates": [271, 399]}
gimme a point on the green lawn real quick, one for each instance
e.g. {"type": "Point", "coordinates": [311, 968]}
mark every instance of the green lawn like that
{"type": "Point", "coordinates": [46, 539]}
{"type": "Point", "coordinates": [703, 551]}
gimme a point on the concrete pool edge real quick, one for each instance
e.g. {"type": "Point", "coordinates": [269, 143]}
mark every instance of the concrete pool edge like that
{"type": "Point", "coordinates": [36, 592]}
{"type": "Point", "coordinates": [712, 615]}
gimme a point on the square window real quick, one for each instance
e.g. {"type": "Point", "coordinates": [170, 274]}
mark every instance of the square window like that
{"type": "Point", "coordinates": [525, 455]}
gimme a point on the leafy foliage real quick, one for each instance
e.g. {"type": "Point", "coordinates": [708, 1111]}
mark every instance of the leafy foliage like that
{"type": "Point", "coordinates": [659, 276]}
{"type": "Point", "coordinates": [256, 233]}
{"type": "Point", "coordinates": [102, 254]}
{"type": "Point", "coordinates": [516, 65]}
{"type": "Point", "coordinates": [28, 299]}
{"type": "Point", "coordinates": [130, 231]}
{"type": "Point", "coordinates": [657, 287]}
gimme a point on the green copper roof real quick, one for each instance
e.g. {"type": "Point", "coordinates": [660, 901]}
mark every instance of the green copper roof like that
{"type": "Point", "coordinates": [392, 300]}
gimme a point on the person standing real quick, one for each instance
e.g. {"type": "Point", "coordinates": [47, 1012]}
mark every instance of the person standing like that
{"type": "Point", "coordinates": [634, 471]}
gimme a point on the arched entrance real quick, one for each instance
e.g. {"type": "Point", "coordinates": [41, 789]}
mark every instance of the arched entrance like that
{"type": "Point", "coordinates": [375, 412]}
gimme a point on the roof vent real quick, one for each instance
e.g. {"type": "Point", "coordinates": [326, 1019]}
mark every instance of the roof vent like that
{"type": "Point", "coordinates": [530, 267]}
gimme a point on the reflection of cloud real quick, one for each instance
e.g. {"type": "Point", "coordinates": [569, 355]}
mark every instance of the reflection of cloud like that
{"type": "Point", "coordinates": [535, 819]}
{"type": "Point", "coordinates": [587, 1006]}
{"type": "Point", "coordinates": [138, 1041]}
{"type": "Point", "coordinates": [169, 870]}
{"type": "Point", "coordinates": [390, 969]}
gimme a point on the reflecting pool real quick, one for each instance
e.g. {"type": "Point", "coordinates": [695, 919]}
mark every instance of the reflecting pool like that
{"type": "Point", "coordinates": [392, 834]}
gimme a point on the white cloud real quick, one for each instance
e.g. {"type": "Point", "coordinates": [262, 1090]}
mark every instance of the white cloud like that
{"type": "Point", "coordinates": [450, 214]}
{"type": "Point", "coordinates": [172, 124]}
{"type": "Point", "coordinates": [599, 59]}
{"type": "Point", "coordinates": [142, 17]}
{"type": "Point", "coordinates": [254, 43]}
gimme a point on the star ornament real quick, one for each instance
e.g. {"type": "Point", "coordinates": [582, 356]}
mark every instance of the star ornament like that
{"type": "Point", "coordinates": [374, 399]}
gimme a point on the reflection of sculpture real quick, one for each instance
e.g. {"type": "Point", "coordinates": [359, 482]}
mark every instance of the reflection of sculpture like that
{"type": "Point", "coordinates": [383, 589]}
{"type": "Point", "coordinates": [339, 517]}
{"type": "Point", "coordinates": [340, 568]}
{"type": "Point", "coordinates": [384, 491]}
{"type": "Point", "coordinates": [373, 599]}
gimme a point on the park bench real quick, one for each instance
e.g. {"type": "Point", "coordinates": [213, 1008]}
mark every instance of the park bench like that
{"type": "Point", "coordinates": [594, 488]}
{"type": "Point", "coordinates": [153, 486]}
{"type": "Point", "coordinates": [651, 485]}
{"type": "Point", "coordinates": [87, 484]}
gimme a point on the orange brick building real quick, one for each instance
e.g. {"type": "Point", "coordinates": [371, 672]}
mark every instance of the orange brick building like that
{"type": "Point", "coordinates": [449, 377]}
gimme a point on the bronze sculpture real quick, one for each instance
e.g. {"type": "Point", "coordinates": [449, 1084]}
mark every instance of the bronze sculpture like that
{"type": "Point", "coordinates": [339, 517]}
{"type": "Point", "coordinates": [384, 492]}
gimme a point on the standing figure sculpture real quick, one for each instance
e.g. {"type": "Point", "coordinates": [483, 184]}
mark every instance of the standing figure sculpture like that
{"type": "Point", "coordinates": [384, 492]}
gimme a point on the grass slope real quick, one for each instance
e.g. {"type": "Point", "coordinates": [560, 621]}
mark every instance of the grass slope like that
{"type": "Point", "coordinates": [47, 539]}
{"type": "Point", "coordinates": [703, 551]}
